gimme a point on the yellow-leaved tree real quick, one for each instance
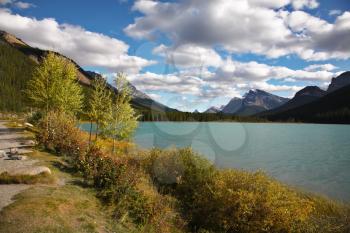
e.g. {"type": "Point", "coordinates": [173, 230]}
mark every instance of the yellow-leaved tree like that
{"type": "Point", "coordinates": [122, 118]}
{"type": "Point", "coordinates": [54, 86]}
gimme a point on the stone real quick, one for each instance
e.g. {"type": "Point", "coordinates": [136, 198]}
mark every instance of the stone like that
{"type": "Point", "coordinates": [28, 125]}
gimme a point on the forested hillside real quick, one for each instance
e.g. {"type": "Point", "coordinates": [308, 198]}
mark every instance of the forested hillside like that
{"type": "Point", "coordinates": [15, 70]}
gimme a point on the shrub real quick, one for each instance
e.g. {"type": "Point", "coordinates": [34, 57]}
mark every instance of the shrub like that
{"type": "Point", "coordinates": [60, 134]}
{"type": "Point", "coordinates": [230, 200]}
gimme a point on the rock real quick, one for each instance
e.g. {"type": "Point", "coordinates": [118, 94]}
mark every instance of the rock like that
{"type": "Point", "coordinates": [28, 125]}
{"type": "Point", "coordinates": [39, 170]}
{"type": "Point", "coordinates": [2, 153]}
{"type": "Point", "coordinates": [31, 143]}
{"type": "Point", "coordinates": [32, 171]}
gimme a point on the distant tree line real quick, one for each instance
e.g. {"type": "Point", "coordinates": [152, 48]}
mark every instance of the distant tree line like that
{"type": "Point", "coordinates": [188, 116]}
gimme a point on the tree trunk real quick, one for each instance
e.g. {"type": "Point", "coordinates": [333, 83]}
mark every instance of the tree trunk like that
{"type": "Point", "coordinates": [90, 132]}
{"type": "Point", "coordinates": [113, 145]}
{"type": "Point", "coordinates": [96, 131]}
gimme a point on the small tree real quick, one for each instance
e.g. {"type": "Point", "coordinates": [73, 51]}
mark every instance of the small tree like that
{"type": "Point", "coordinates": [99, 105]}
{"type": "Point", "coordinates": [54, 86]}
{"type": "Point", "coordinates": [123, 119]}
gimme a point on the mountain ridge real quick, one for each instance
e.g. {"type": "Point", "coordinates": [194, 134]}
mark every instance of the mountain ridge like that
{"type": "Point", "coordinates": [309, 95]}
{"type": "Point", "coordinates": [254, 101]}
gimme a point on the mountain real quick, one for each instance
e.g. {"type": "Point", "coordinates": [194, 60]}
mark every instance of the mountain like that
{"type": "Point", "coordinates": [304, 96]}
{"type": "Point", "coordinates": [196, 111]}
{"type": "Point", "coordinates": [253, 102]}
{"type": "Point", "coordinates": [214, 109]}
{"type": "Point", "coordinates": [334, 107]}
{"type": "Point", "coordinates": [34, 56]}
{"type": "Point", "coordinates": [233, 106]}
{"type": "Point", "coordinates": [339, 82]}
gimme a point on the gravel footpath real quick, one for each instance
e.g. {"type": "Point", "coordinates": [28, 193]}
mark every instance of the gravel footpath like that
{"type": "Point", "coordinates": [15, 138]}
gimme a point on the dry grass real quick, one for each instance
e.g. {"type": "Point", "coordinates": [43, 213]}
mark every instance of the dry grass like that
{"type": "Point", "coordinates": [56, 209]}
{"type": "Point", "coordinates": [64, 206]}
{"type": "Point", "coordinates": [42, 178]}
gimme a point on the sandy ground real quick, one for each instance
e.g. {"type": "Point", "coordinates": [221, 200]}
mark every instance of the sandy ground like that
{"type": "Point", "coordinates": [15, 138]}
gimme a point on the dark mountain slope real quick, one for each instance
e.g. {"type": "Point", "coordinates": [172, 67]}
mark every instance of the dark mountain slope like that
{"type": "Point", "coordinates": [15, 70]}
{"type": "Point", "coordinates": [304, 96]}
{"type": "Point", "coordinates": [233, 106]}
{"type": "Point", "coordinates": [331, 108]}
{"type": "Point", "coordinates": [339, 82]}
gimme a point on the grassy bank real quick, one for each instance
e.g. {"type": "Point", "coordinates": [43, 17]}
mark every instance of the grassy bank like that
{"type": "Point", "coordinates": [56, 203]}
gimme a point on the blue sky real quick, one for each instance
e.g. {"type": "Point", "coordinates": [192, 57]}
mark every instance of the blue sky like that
{"type": "Point", "coordinates": [194, 54]}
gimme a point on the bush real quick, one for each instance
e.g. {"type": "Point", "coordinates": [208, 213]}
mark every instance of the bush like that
{"type": "Point", "coordinates": [121, 181]}
{"type": "Point", "coordinates": [58, 133]}
{"type": "Point", "coordinates": [214, 200]}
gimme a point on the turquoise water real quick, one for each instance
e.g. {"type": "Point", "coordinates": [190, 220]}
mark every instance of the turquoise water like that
{"type": "Point", "coordinates": [313, 157]}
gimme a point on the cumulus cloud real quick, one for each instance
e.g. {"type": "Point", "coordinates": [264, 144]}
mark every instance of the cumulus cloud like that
{"type": "Point", "coordinates": [4, 2]}
{"type": "Point", "coordinates": [185, 56]}
{"type": "Point", "coordinates": [296, 4]}
{"type": "Point", "coordinates": [323, 67]}
{"type": "Point", "coordinates": [85, 47]}
{"type": "Point", "coordinates": [18, 4]}
{"type": "Point", "coordinates": [300, 4]}
{"type": "Point", "coordinates": [23, 5]}
{"type": "Point", "coordinates": [171, 83]}
{"type": "Point", "coordinates": [334, 12]}
{"type": "Point", "coordinates": [232, 78]}
{"type": "Point", "coordinates": [245, 26]}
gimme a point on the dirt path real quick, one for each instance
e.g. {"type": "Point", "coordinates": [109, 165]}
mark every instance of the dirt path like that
{"type": "Point", "coordinates": [7, 192]}
{"type": "Point", "coordinates": [15, 138]}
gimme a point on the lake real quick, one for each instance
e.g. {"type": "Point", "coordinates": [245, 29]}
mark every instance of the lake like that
{"type": "Point", "coordinates": [313, 157]}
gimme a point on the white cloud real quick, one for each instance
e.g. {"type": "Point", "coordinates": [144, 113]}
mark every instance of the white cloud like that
{"type": "Point", "coordinates": [18, 4]}
{"type": "Point", "coordinates": [171, 83]}
{"type": "Point", "coordinates": [297, 4]}
{"type": "Point", "coordinates": [245, 26]}
{"type": "Point", "coordinates": [155, 96]}
{"type": "Point", "coordinates": [300, 4]}
{"type": "Point", "coordinates": [185, 56]}
{"type": "Point", "coordinates": [335, 12]}
{"type": "Point", "coordinates": [4, 2]}
{"type": "Point", "coordinates": [233, 78]}
{"type": "Point", "coordinates": [85, 47]}
{"type": "Point", "coordinates": [23, 5]}
{"type": "Point", "coordinates": [322, 67]}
